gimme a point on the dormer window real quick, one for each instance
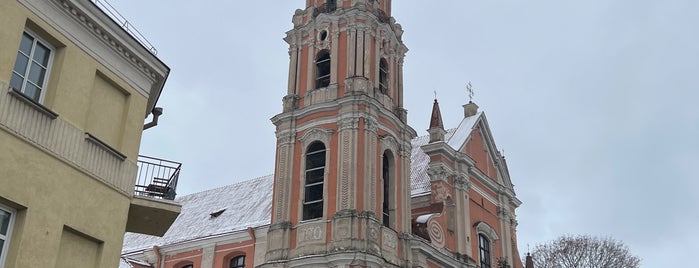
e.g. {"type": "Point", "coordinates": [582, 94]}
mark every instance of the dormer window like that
{"type": "Point", "coordinates": [323, 69]}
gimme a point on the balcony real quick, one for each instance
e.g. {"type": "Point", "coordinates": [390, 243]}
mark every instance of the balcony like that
{"type": "Point", "coordinates": [152, 209]}
{"type": "Point", "coordinates": [157, 178]}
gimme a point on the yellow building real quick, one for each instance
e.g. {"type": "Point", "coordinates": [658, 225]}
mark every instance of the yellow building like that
{"type": "Point", "coordinates": [75, 87]}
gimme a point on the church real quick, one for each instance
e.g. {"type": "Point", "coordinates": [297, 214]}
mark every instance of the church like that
{"type": "Point", "coordinates": [354, 185]}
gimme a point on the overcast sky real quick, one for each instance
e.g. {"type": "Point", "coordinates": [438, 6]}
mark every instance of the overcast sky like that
{"type": "Point", "coordinates": [593, 102]}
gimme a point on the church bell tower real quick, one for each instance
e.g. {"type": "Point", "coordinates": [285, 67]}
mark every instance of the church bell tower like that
{"type": "Point", "coordinates": [342, 172]}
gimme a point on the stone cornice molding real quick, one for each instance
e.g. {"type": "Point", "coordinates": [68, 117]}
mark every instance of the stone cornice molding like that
{"type": "Point", "coordinates": [346, 122]}
{"type": "Point", "coordinates": [285, 137]}
{"type": "Point", "coordinates": [438, 171]}
{"type": "Point", "coordinates": [439, 256]}
{"type": "Point", "coordinates": [108, 31]}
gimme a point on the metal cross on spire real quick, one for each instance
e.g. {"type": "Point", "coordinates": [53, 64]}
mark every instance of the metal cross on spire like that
{"type": "Point", "coordinates": [469, 89]}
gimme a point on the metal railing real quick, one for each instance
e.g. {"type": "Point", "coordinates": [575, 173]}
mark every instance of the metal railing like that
{"type": "Point", "coordinates": [157, 178]}
{"type": "Point", "coordinates": [328, 7]}
{"type": "Point", "coordinates": [108, 9]}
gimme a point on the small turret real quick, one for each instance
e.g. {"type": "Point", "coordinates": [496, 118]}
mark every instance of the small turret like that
{"type": "Point", "coordinates": [529, 262]}
{"type": "Point", "coordinates": [436, 129]}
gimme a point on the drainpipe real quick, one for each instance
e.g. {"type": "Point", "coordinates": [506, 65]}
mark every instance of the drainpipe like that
{"type": "Point", "coordinates": [157, 112]}
{"type": "Point", "coordinates": [251, 232]}
{"type": "Point", "coordinates": [160, 259]}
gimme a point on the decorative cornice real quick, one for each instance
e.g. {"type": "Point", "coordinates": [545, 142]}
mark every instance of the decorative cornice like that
{"type": "Point", "coordinates": [316, 134]}
{"type": "Point", "coordinates": [285, 137]}
{"type": "Point", "coordinates": [108, 37]}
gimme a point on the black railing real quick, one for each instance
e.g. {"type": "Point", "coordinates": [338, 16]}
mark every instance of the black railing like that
{"type": "Point", "coordinates": [157, 178]}
{"type": "Point", "coordinates": [328, 7]}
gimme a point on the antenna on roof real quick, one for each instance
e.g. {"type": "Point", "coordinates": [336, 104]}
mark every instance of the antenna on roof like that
{"type": "Point", "coordinates": [469, 89]}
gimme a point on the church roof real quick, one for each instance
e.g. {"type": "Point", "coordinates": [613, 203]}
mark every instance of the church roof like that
{"type": "Point", "coordinates": [455, 137]}
{"type": "Point", "coordinates": [248, 203]}
{"type": "Point", "coordinates": [244, 204]}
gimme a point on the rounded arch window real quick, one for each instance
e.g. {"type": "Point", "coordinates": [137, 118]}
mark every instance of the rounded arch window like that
{"type": "Point", "coordinates": [387, 181]}
{"type": "Point", "coordinates": [323, 69]}
{"type": "Point", "coordinates": [237, 262]}
{"type": "Point", "coordinates": [314, 179]}
{"type": "Point", "coordinates": [383, 76]}
{"type": "Point", "coordinates": [484, 251]}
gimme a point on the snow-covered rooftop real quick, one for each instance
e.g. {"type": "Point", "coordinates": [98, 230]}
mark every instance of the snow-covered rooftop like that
{"type": "Point", "coordinates": [246, 204]}
{"type": "Point", "coordinates": [455, 137]}
{"type": "Point", "coordinates": [249, 203]}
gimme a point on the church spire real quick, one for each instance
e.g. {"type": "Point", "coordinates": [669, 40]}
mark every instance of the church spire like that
{"type": "Point", "coordinates": [436, 129]}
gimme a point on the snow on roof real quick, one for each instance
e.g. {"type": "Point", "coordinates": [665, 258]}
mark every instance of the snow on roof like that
{"type": "Point", "coordinates": [249, 203]}
{"type": "Point", "coordinates": [246, 204]}
{"type": "Point", "coordinates": [463, 131]}
{"type": "Point", "coordinates": [455, 137]}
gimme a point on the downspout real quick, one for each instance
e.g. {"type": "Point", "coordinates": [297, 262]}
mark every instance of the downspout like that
{"type": "Point", "coordinates": [160, 259]}
{"type": "Point", "coordinates": [157, 112]}
{"type": "Point", "coordinates": [251, 232]}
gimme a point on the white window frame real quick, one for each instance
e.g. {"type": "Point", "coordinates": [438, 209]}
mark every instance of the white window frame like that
{"type": "Point", "coordinates": [49, 65]}
{"type": "Point", "coordinates": [6, 238]}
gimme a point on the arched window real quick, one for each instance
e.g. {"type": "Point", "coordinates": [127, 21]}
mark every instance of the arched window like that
{"type": "Point", "coordinates": [484, 249]}
{"type": "Point", "coordinates": [386, 168]}
{"type": "Point", "coordinates": [315, 174]}
{"type": "Point", "coordinates": [323, 69]}
{"type": "Point", "coordinates": [238, 262]}
{"type": "Point", "coordinates": [186, 264]}
{"type": "Point", "coordinates": [383, 76]}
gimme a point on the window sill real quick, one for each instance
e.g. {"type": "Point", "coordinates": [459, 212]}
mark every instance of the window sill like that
{"type": "Point", "coordinates": [36, 105]}
{"type": "Point", "coordinates": [89, 137]}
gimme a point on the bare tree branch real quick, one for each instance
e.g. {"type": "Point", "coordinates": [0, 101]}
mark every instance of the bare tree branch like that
{"type": "Point", "coordinates": [584, 251]}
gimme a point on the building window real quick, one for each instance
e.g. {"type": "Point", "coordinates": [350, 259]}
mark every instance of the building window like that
{"type": "Point", "coordinates": [31, 71]}
{"type": "Point", "coordinates": [315, 175]}
{"type": "Point", "coordinates": [383, 76]}
{"type": "Point", "coordinates": [323, 69]}
{"type": "Point", "coordinates": [386, 178]}
{"type": "Point", "coordinates": [238, 262]}
{"type": "Point", "coordinates": [484, 248]}
{"type": "Point", "coordinates": [6, 220]}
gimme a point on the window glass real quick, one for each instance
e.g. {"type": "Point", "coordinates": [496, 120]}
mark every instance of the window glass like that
{"type": "Point", "coordinates": [31, 67]}
{"type": "Point", "coordinates": [484, 248]}
{"type": "Point", "coordinates": [4, 221]}
{"type": "Point", "coordinates": [315, 175]}
{"type": "Point", "coordinates": [323, 69]}
{"type": "Point", "coordinates": [21, 63]}
{"type": "Point", "coordinates": [385, 175]}
{"type": "Point", "coordinates": [36, 74]}
{"type": "Point", "coordinates": [16, 81]}
{"type": "Point", "coordinates": [238, 262]}
{"type": "Point", "coordinates": [383, 76]}
{"type": "Point", "coordinates": [26, 44]}
{"type": "Point", "coordinates": [5, 218]}
{"type": "Point", "coordinates": [41, 54]}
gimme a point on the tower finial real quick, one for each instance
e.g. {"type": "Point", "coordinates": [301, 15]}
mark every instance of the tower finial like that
{"type": "Point", "coordinates": [469, 89]}
{"type": "Point", "coordinates": [435, 95]}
